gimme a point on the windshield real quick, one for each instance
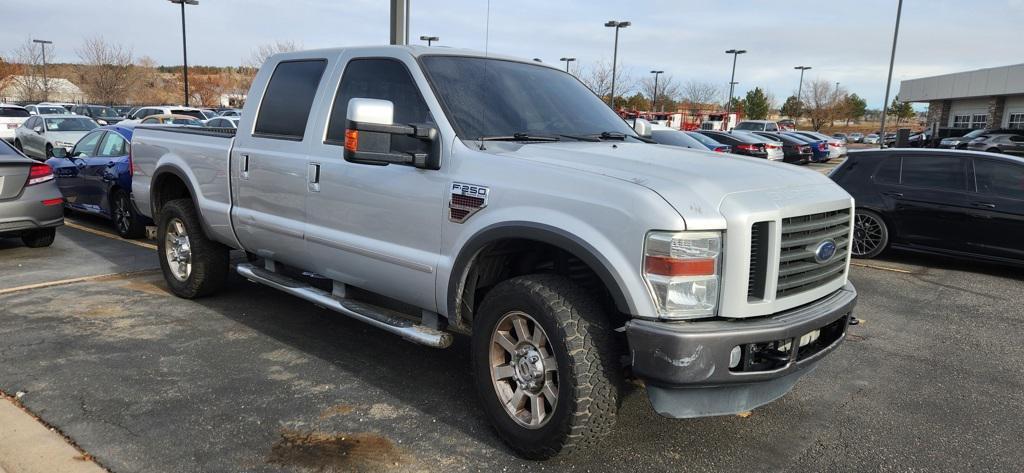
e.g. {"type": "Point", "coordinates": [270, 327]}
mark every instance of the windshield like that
{"type": "Point", "coordinates": [70, 124]}
{"type": "Point", "coordinates": [495, 98]}
{"type": "Point", "coordinates": [102, 112]}
{"type": "Point", "coordinates": [975, 133]}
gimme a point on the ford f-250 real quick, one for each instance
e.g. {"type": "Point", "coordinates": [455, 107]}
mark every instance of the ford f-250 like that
{"type": "Point", "coordinates": [440, 191]}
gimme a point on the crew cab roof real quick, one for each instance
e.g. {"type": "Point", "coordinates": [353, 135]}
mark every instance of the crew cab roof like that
{"type": "Point", "coordinates": [415, 51]}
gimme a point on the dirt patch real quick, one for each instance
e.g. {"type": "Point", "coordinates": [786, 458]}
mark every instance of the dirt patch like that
{"type": "Point", "coordinates": [331, 452]}
{"type": "Point", "coordinates": [383, 411]}
{"type": "Point", "coordinates": [145, 286]}
{"type": "Point", "coordinates": [336, 410]}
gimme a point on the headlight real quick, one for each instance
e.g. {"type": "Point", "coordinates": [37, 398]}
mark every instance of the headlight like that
{"type": "Point", "coordinates": [682, 272]}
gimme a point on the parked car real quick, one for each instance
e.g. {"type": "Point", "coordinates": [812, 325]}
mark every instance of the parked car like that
{"type": "Point", "coordinates": [30, 203]}
{"type": "Point", "coordinates": [956, 203]}
{"type": "Point", "coordinates": [122, 110]}
{"type": "Point", "coordinates": [144, 112]}
{"type": "Point", "coordinates": [871, 139]}
{"type": "Point", "coordinates": [40, 134]}
{"type": "Point", "coordinates": [181, 120]}
{"type": "Point", "coordinates": [569, 252]}
{"type": "Point", "coordinates": [710, 142]}
{"type": "Point", "coordinates": [231, 112]}
{"type": "Point", "coordinates": [208, 113]}
{"type": "Point", "coordinates": [787, 124]}
{"type": "Point", "coordinates": [819, 148]}
{"type": "Point", "coordinates": [748, 144]}
{"type": "Point", "coordinates": [66, 105]}
{"type": "Point", "coordinates": [102, 114]}
{"type": "Point", "coordinates": [41, 109]}
{"type": "Point", "coordinates": [1004, 141]}
{"type": "Point", "coordinates": [841, 137]}
{"type": "Point", "coordinates": [757, 125]}
{"type": "Point", "coordinates": [961, 142]}
{"type": "Point", "coordinates": [664, 135]}
{"type": "Point", "coordinates": [223, 122]}
{"type": "Point", "coordinates": [836, 147]}
{"type": "Point", "coordinates": [11, 117]}
{"type": "Point", "coordinates": [95, 177]}
{"type": "Point", "coordinates": [855, 137]}
{"type": "Point", "coordinates": [794, 151]}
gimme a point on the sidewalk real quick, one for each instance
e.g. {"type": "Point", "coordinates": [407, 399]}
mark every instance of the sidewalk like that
{"type": "Point", "coordinates": [27, 446]}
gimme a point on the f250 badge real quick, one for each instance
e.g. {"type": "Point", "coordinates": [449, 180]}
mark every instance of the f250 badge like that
{"type": "Point", "coordinates": [466, 200]}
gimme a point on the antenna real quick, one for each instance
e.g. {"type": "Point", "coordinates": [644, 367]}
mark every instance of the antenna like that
{"type": "Point", "coordinates": [487, 43]}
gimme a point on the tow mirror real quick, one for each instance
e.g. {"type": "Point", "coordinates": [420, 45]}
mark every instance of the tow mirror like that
{"type": "Point", "coordinates": [642, 127]}
{"type": "Point", "coordinates": [370, 134]}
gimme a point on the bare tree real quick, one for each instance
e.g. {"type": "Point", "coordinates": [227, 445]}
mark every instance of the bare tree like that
{"type": "Point", "coordinates": [700, 93]}
{"type": "Point", "coordinates": [264, 51]}
{"type": "Point", "coordinates": [30, 85]}
{"type": "Point", "coordinates": [106, 73]}
{"type": "Point", "coordinates": [598, 77]}
{"type": "Point", "coordinates": [668, 90]}
{"type": "Point", "coordinates": [821, 100]}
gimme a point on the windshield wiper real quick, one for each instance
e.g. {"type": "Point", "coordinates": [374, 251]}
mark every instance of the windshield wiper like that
{"type": "Point", "coordinates": [520, 137]}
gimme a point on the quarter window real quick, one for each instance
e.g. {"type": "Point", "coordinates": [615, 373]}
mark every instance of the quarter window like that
{"type": "Point", "coordinates": [888, 172]}
{"type": "Point", "coordinates": [999, 178]}
{"type": "Point", "coordinates": [289, 98]}
{"type": "Point", "coordinates": [936, 172]}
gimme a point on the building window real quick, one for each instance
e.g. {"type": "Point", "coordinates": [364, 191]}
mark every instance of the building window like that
{"type": "Point", "coordinates": [1016, 121]}
{"type": "Point", "coordinates": [978, 121]}
{"type": "Point", "coordinates": [961, 121]}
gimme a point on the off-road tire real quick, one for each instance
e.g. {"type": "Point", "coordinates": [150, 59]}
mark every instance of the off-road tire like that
{"type": "Point", "coordinates": [210, 260]}
{"type": "Point", "coordinates": [589, 371]}
{"type": "Point", "coordinates": [135, 227]}
{"type": "Point", "coordinates": [39, 238]}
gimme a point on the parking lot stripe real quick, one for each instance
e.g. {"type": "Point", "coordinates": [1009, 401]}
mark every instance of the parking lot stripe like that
{"type": "Point", "coordinates": [883, 268]}
{"type": "Point", "coordinates": [107, 235]}
{"type": "Point", "coordinates": [61, 282]}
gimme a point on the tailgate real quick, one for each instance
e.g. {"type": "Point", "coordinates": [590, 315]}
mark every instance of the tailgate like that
{"type": "Point", "coordinates": [12, 178]}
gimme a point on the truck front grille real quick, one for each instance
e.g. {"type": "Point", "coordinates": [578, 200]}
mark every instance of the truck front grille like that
{"type": "Point", "coordinates": [801, 267]}
{"type": "Point", "coordinates": [758, 261]}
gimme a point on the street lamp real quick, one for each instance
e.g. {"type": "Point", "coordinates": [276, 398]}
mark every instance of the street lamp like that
{"type": "Point", "coordinates": [46, 84]}
{"type": "Point", "coordinates": [429, 39]}
{"type": "Point", "coordinates": [799, 90]}
{"type": "Point", "coordinates": [615, 54]}
{"type": "Point", "coordinates": [732, 80]}
{"type": "Point", "coordinates": [888, 82]}
{"type": "Point", "coordinates": [567, 60]}
{"type": "Point", "coordinates": [184, 47]}
{"type": "Point", "coordinates": [654, 101]}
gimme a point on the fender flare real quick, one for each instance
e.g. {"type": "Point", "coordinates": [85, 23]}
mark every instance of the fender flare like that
{"type": "Point", "coordinates": [160, 174]}
{"type": "Point", "coordinates": [537, 232]}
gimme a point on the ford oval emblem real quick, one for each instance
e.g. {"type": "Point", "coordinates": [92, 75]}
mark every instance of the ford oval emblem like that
{"type": "Point", "coordinates": [825, 251]}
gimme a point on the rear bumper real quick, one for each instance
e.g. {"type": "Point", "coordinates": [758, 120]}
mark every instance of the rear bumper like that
{"type": "Point", "coordinates": [686, 365]}
{"type": "Point", "coordinates": [28, 212]}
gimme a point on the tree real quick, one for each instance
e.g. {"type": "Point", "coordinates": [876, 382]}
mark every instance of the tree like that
{"type": "Point", "coordinates": [822, 97]}
{"type": "Point", "coordinates": [738, 106]}
{"type": "Point", "coordinates": [700, 93]}
{"type": "Point", "coordinates": [854, 108]}
{"type": "Point", "coordinates": [106, 72]}
{"type": "Point", "coordinates": [598, 77]}
{"type": "Point", "coordinates": [264, 51]}
{"type": "Point", "coordinates": [902, 110]}
{"type": "Point", "coordinates": [791, 108]}
{"type": "Point", "coordinates": [668, 91]}
{"type": "Point", "coordinates": [31, 86]}
{"type": "Point", "coordinates": [636, 101]}
{"type": "Point", "coordinates": [757, 104]}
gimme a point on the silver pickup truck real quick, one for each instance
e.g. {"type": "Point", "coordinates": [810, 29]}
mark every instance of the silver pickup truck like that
{"type": "Point", "coordinates": [433, 192]}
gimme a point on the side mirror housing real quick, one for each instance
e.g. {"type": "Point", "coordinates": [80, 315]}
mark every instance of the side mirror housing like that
{"type": "Point", "coordinates": [60, 152]}
{"type": "Point", "coordinates": [642, 127]}
{"type": "Point", "coordinates": [38, 129]}
{"type": "Point", "coordinates": [369, 133]}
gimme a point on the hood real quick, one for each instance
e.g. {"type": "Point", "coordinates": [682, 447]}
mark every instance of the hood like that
{"type": "Point", "coordinates": [694, 182]}
{"type": "Point", "coordinates": [68, 136]}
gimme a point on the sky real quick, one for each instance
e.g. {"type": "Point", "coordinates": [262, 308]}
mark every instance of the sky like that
{"type": "Point", "coordinates": [844, 41]}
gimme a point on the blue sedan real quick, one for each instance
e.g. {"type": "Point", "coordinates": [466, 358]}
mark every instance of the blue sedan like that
{"type": "Point", "coordinates": [95, 177]}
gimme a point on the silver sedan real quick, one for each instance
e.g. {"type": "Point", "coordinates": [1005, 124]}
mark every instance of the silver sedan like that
{"type": "Point", "coordinates": [31, 206]}
{"type": "Point", "coordinates": [40, 134]}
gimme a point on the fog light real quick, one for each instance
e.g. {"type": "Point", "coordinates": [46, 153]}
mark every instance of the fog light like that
{"type": "Point", "coordinates": [734, 357]}
{"type": "Point", "coordinates": [810, 337]}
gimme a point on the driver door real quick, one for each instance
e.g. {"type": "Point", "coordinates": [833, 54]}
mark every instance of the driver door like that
{"type": "Point", "coordinates": [71, 173]}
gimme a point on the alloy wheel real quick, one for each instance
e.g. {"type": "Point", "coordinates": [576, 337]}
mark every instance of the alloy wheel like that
{"type": "Point", "coordinates": [524, 372]}
{"type": "Point", "coordinates": [868, 234]}
{"type": "Point", "coordinates": [177, 250]}
{"type": "Point", "coordinates": [122, 214]}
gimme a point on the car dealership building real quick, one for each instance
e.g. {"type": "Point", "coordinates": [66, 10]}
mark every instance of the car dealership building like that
{"type": "Point", "coordinates": [983, 98]}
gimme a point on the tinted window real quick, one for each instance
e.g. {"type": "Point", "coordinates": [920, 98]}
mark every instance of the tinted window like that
{"type": "Point", "coordinates": [289, 98]}
{"type": "Point", "coordinates": [13, 112]}
{"type": "Point", "coordinates": [490, 97]}
{"type": "Point", "coordinates": [888, 172]}
{"type": "Point", "coordinates": [87, 146]}
{"type": "Point", "coordinates": [384, 79]}
{"type": "Point", "coordinates": [999, 178]}
{"type": "Point", "coordinates": [771, 127]}
{"type": "Point", "coordinates": [192, 113]}
{"type": "Point", "coordinates": [749, 126]}
{"type": "Point", "coordinates": [937, 172]}
{"type": "Point", "coordinates": [706, 141]}
{"type": "Point", "coordinates": [113, 145]}
{"type": "Point", "coordinates": [675, 138]}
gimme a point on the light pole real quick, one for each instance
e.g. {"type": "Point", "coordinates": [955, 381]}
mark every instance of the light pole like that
{"type": "Point", "coordinates": [799, 90]}
{"type": "Point", "coordinates": [429, 39]}
{"type": "Point", "coordinates": [888, 82]}
{"type": "Point", "coordinates": [732, 80]}
{"type": "Point", "coordinates": [567, 60]}
{"type": "Point", "coordinates": [654, 101]}
{"type": "Point", "coordinates": [618, 25]}
{"type": "Point", "coordinates": [46, 84]}
{"type": "Point", "coordinates": [184, 47]}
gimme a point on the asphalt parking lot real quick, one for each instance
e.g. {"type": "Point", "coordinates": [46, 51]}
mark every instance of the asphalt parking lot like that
{"type": "Point", "coordinates": [255, 380]}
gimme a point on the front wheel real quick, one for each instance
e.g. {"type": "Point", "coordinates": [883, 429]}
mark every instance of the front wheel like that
{"type": "Point", "coordinates": [127, 222]}
{"type": "Point", "coordinates": [192, 264]}
{"type": "Point", "coordinates": [545, 366]}
{"type": "Point", "coordinates": [870, 234]}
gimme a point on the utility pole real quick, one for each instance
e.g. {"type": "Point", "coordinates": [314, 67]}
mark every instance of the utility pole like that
{"type": "Point", "coordinates": [618, 25]}
{"type": "Point", "coordinates": [399, 21]}
{"type": "Point", "coordinates": [184, 45]}
{"type": "Point", "coordinates": [888, 82]}
{"type": "Point", "coordinates": [46, 82]}
{"type": "Point", "coordinates": [654, 100]}
{"type": "Point", "coordinates": [732, 80]}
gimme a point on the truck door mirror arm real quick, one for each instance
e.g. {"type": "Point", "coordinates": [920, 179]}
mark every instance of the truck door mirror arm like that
{"type": "Point", "coordinates": [369, 131]}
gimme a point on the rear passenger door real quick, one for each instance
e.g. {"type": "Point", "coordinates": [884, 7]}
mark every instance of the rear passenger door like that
{"type": "Point", "coordinates": [999, 208]}
{"type": "Point", "coordinates": [269, 167]}
{"type": "Point", "coordinates": [932, 203]}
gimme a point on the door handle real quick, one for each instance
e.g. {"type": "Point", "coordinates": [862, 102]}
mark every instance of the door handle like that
{"type": "Point", "coordinates": [244, 165]}
{"type": "Point", "coordinates": [985, 205]}
{"type": "Point", "coordinates": [898, 195]}
{"type": "Point", "coordinates": [313, 175]}
{"type": "Point", "coordinates": [111, 164]}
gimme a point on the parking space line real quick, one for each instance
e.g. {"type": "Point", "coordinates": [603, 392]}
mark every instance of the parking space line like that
{"type": "Point", "coordinates": [107, 235]}
{"type": "Point", "coordinates": [883, 268]}
{"type": "Point", "coordinates": [61, 282]}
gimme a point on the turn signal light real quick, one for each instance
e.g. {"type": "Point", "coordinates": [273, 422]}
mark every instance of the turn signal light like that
{"type": "Point", "coordinates": [665, 266]}
{"type": "Point", "coordinates": [352, 140]}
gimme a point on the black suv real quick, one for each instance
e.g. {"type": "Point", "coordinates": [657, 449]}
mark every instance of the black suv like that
{"type": "Point", "coordinates": [102, 114]}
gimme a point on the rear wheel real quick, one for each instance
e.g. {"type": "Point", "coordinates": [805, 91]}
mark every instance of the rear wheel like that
{"type": "Point", "coordinates": [192, 264]}
{"type": "Point", "coordinates": [870, 234]}
{"type": "Point", "coordinates": [545, 366]}
{"type": "Point", "coordinates": [49, 150]}
{"type": "Point", "coordinates": [127, 222]}
{"type": "Point", "coordinates": [39, 238]}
